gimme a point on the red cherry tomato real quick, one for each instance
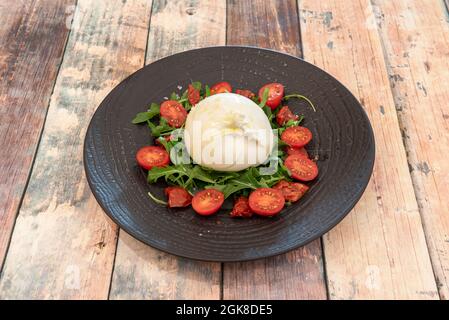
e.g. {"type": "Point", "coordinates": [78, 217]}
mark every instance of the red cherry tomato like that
{"type": "Point", "coordinates": [300, 151]}
{"type": "Point", "coordinates": [292, 191]}
{"type": "Point", "coordinates": [152, 156]}
{"type": "Point", "coordinates": [246, 93]}
{"type": "Point", "coordinates": [301, 168]}
{"type": "Point", "coordinates": [207, 202]}
{"type": "Point", "coordinates": [178, 197]}
{"type": "Point", "coordinates": [193, 95]}
{"type": "Point", "coordinates": [220, 87]}
{"type": "Point", "coordinates": [296, 136]}
{"type": "Point", "coordinates": [174, 113]}
{"type": "Point", "coordinates": [275, 94]}
{"type": "Point", "coordinates": [241, 208]}
{"type": "Point", "coordinates": [266, 201]}
{"type": "Point", "coordinates": [284, 115]}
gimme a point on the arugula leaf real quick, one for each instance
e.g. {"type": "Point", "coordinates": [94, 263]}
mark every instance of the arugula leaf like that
{"type": "Point", "coordinates": [264, 97]}
{"type": "Point", "coordinates": [299, 96]}
{"type": "Point", "coordinates": [206, 91]}
{"type": "Point", "coordinates": [291, 123]}
{"type": "Point", "coordinates": [281, 153]}
{"type": "Point", "coordinates": [159, 201]}
{"type": "Point", "coordinates": [185, 95]}
{"type": "Point", "coordinates": [250, 176]}
{"type": "Point", "coordinates": [174, 96]}
{"type": "Point", "coordinates": [227, 189]}
{"type": "Point", "coordinates": [158, 172]}
{"type": "Point", "coordinates": [168, 145]}
{"type": "Point", "coordinates": [141, 117]}
{"type": "Point", "coordinates": [280, 142]}
{"type": "Point", "coordinates": [183, 98]}
{"type": "Point", "coordinates": [145, 116]}
{"type": "Point", "coordinates": [271, 117]}
{"type": "Point", "coordinates": [284, 170]}
{"type": "Point", "coordinates": [268, 112]}
{"type": "Point", "coordinates": [197, 85]}
{"type": "Point", "coordinates": [157, 130]}
{"type": "Point", "coordinates": [154, 109]}
{"type": "Point", "coordinates": [220, 177]}
{"type": "Point", "coordinates": [246, 180]}
{"type": "Point", "coordinates": [243, 184]}
{"type": "Point", "coordinates": [187, 105]}
{"type": "Point", "coordinates": [185, 175]}
{"type": "Point", "coordinates": [198, 173]}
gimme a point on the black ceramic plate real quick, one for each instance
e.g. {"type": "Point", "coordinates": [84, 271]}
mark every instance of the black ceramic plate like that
{"type": "Point", "coordinates": [342, 142]}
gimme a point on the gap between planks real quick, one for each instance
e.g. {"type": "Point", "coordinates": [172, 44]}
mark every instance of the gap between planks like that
{"type": "Point", "coordinates": [38, 142]}
{"type": "Point", "coordinates": [416, 47]}
{"type": "Point", "coordinates": [19, 168]}
{"type": "Point", "coordinates": [63, 245]}
{"type": "Point", "coordinates": [142, 272]}
{"type": "Point", "coordinates": [298, 274]}
{"type": "Point", "coordinates": [379, 250]}
{"type": "Point", "coordinates": [401, 126]}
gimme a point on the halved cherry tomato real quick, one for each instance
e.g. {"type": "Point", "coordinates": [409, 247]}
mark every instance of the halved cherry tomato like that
{"type": "Point", "coordinates": [193, 95]}
{"type": "Point", "coordinates": [152, 156]}
{"type": "Point", "coordinates": [266, 201]}
{"type": "Point", "coordinates": [246, 93]}
{"type": "Point", "coordinates": [292, 191]}
{"type": "Point", "coordinates": [301, 168]}
{"type": "Point", "coordinates": [275, 94]}
{"type": "Point", "coordinates": [173, 112]}
{"type": "Point", "coordinates": [207, 202]}
{"type": "Point", "coordinates": [296, 136]}
{"type": "Point", "coordinates": [178, 197]}
{"type": "Point", "coordinates": [284, 115]}
{"type": "Point", "coordinates": [220, 87]}
{"type": "Point", "coordinates": [300, 151]}
{"type": "Point", "coordinates": [241, 208]}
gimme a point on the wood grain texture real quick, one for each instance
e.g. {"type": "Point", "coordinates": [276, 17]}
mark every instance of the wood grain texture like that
{"type": "Point", "coordinates": [297, 274]}
{"type": "Point", "coordinates": [294, 275]}
{"type": "Point", "coordinates": [28, 65]}
{"type": "Point", "coordinates": [379, 251]}
{"type": "Point", "coordinates": [415, 36]}
{"type": "Point", "coordinates": [63, 245]}
{"type": "Point", "coordinates": [142, 272]}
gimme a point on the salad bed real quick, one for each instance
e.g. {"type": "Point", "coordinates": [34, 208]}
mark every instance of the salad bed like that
{"type": "Point", "coordinates": [263, 192]}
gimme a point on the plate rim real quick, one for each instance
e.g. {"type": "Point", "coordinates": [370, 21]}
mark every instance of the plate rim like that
{"type": "Point", "coordinates": [335, 222]}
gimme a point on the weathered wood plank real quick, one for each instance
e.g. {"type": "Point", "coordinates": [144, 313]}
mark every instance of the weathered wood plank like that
{"type": "Point", "coordinates": [142, 272]}
{"type": "Point", "coordinates": [28, 65]}
{"type": "Point", "coordinates": [298, 274]}
{"type": "Point", "coordinates": [415, 37]}
{"type": "Point", "coordinates": [63, 245]}
{"type": "Point", "coordinates": [379, 250]}
{"type": "Point", "coordinates": [295, 275]}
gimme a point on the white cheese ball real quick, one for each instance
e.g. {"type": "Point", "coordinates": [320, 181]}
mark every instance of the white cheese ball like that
{"type": "Point", "coordinates": [228, 132]}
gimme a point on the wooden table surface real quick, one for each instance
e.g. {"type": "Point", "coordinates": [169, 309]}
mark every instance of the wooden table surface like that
{"type": "Point", "coordinates": [59, 59]}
